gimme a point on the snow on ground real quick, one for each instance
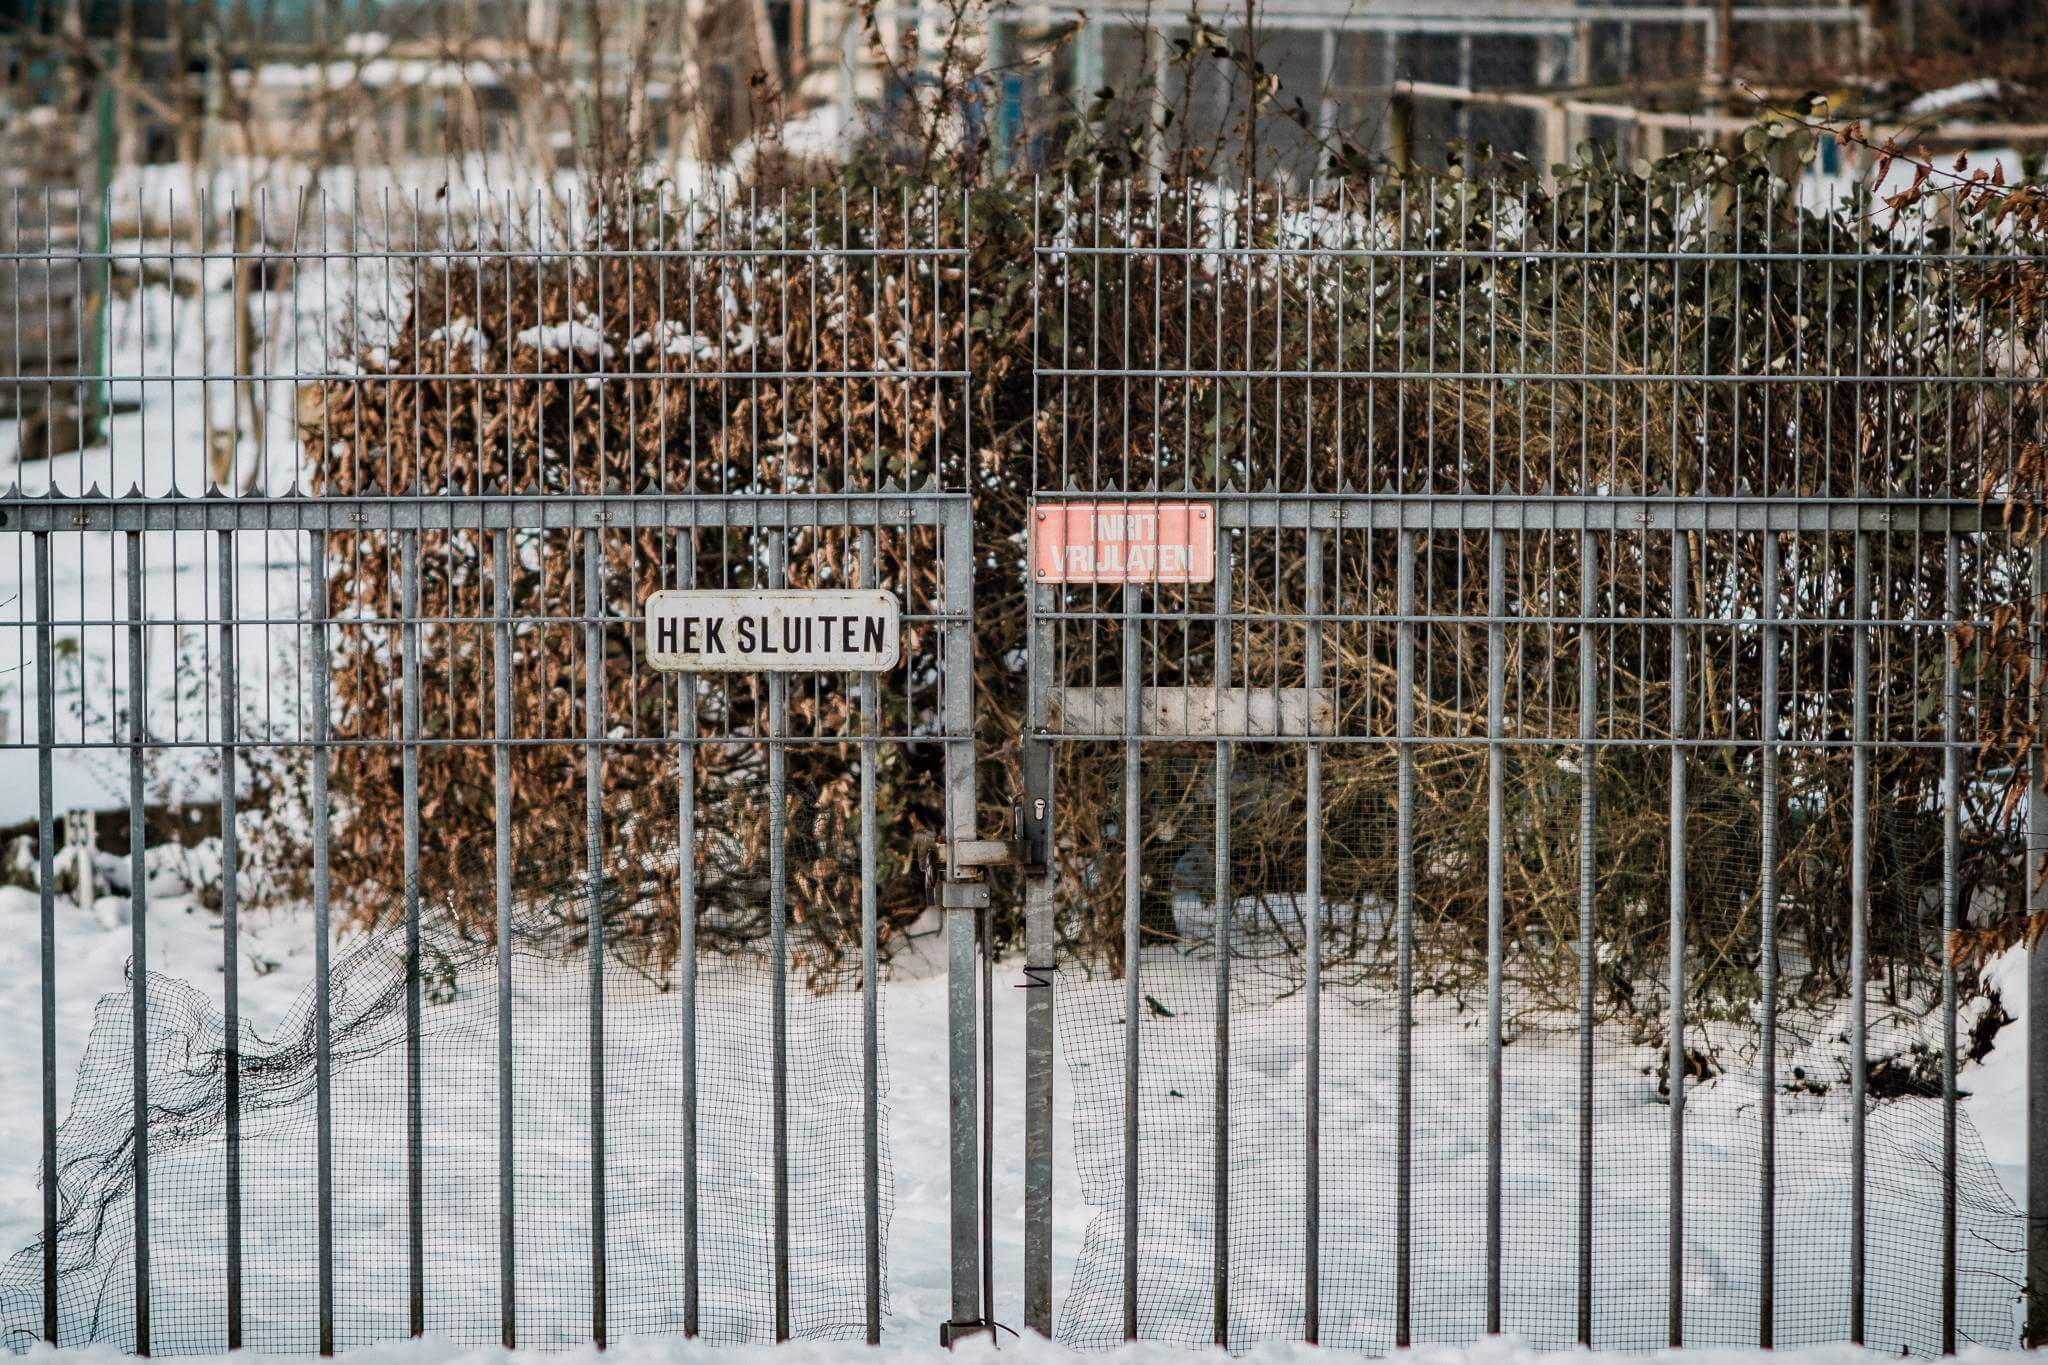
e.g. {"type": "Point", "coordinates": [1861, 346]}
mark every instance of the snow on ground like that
{"type": "Point", "coordinates": [185, 946]}
{"type": "Point", "coordinates": [277, 965]}
{"type": "Point", "coordinates": [1031, 1350]}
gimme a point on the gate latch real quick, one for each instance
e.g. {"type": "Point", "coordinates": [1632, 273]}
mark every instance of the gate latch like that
{"type": "Point", "coordinates": [1020, 850]}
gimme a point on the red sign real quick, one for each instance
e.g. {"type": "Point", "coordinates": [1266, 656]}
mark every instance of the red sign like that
{"type": "Point", "coordinates": [1123, 542]}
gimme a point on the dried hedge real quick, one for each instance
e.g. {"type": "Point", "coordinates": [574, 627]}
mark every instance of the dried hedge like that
{"type": "Point", "coordinates": [1576, 279]}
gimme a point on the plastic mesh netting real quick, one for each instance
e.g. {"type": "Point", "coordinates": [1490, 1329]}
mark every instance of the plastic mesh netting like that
{"type": "Point", "coordinates": [644, 1098]}
{"type": "Point", "coordinates": [1540, 1157]}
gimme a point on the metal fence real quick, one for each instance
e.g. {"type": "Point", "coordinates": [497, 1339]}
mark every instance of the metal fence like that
{"type": "Point", "coordinates": [1518, 885]}
{"type": "Point", "coordinates": [1519, 890]}
{"type": "Point", "coordinates": [355, 547]}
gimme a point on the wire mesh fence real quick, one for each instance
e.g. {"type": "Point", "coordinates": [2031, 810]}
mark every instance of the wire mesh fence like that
{"type": "Point", "coordinates": [350, 541]}
{"type": "Point", "coordinates": [1518, 871]}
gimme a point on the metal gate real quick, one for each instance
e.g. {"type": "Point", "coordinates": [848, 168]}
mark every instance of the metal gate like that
{"type": "Point", "coordinates": [615, 929]}
{"type": "Point", "coordinates": [1507, 874]}
{"type": "Point", "coordinates": [1516, 888]}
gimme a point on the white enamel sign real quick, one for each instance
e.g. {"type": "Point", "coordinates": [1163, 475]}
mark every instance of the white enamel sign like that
{"type": "Point", "coordinates": [774, 631]}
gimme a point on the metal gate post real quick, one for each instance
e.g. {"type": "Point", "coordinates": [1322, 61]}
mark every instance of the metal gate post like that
{"type": "Point", "coordinates": [1040, 977]}
{"type": "Point", "coordinates": [963, 898]}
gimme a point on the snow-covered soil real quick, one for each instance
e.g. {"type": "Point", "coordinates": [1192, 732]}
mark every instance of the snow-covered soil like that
{"type": "Point", "coordinates": [1175, 1234]}
{"type": "Point", "coordinates": [1033, 1350]}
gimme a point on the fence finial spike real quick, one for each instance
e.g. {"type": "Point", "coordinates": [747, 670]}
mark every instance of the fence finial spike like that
{"type": "Point", "coordinates": [1073, 485]}
{"type": "Point", "coordinates": [932, 484]}
{"type": "Point", "coordinates": [212, 490]}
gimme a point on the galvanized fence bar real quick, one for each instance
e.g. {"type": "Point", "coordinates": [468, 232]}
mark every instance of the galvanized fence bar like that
{"type": "Point", "coordinates": [686, 952]}
{"type": "Point", "coordinates": [1041, 984]}
{"type": "Point", "coordinates": [2036, 1330]}
{"type": "Point", "coordinates": [323, 975]}
{"type": "Point", "coordinates": [1404, 947]}
{"type": "Point", "coordinates": [1951, 918]}
{"type": "Point", "coordinates": [409, 780]}
{"type": "Point", "coordinates": [1767, 1050]}
{"type": "Point", "coordinates": [1589, 833]}
{"type": "Point", "coordinates": [956, 703]}
{"type": "Point", "coordinates": [231, 938]}
{"type": "Point", "coordinates": [1334, 512]}
{"type": "Point", "coordinates": [501, 829]}
{"type": "Point", "coordinates": [1496, 901]}
{"type": "Point", "coordinates": [593, 817]}
{"type": "Point", "coordinates": [871, 981]}
{"type": "Point", "coordinates": [1226, 910]}
{"type": "Point", "coordinates": [1134, 942]}
{"type": "Point", "coordinates": [778, 947]}
{"type": "Point", "coordinates": [1312, 919]}
{"type": "Point", "coordinates": [46, 888]}
{"type": "Point", "coordinates": [1859, 929]}
{"type": "Point", "coordinates": [138, 923]}
{"type": "Point", "coordinates": [1675, 1054]}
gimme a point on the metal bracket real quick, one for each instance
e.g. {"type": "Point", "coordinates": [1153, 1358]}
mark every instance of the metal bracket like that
{"type": "Point", "coordinates": [969, 853]}
{"type": "Point", "coordinates": [1022, 851]}
{"type": "Point", "coordinates": [952, 1334]}
{"type": "Point", "coordinates": [963, 895]}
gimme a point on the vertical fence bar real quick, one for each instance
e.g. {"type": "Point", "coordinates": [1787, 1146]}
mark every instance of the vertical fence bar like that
{"type": "Point", "coordinates": [1040, 938]}
{"type": "Point", "coordinates": [1859, 920]}
{"type": "Point", "coordinates": [956, 673]}
{"type": "Point", "coordinates": [1589, 721]}
{"type": "Point", "coordinates": [1225, 909]}
{"type": "Point", "coordinates": [1496, 899]}
{"type": "Point", "coordinates": [46, 884]}
{"type": "Point", "coordinates": [871, 980]}
{"type": "Point", "coordinates": [593, 821]}
{"type": "Point", "coordinates": [323, 984]}
{"type": "Point", "coordinates": [415, 1165]}
{"type": "Point", "coordinates": [686, 946]}
{"type": "Point", "coordinates": [1951, 920]}
{"type": "Point", "coordinates": [2037, 975]}
{"type": "Point", "coordinates": [1312, 1069]}
{"type": "Point", "coordinates": [501, 775]}
{"type": "Point", "coordinates": [1041, 977]}
{"type": "Point", "coordinates": [138, 936]}
{"type": "Point", "coordinates": [1767, 1084]}
{"type": "Point", "coordinates": [1404, 950]}
{"type": "Point", "coordinates": [778, 933]}
{"type": "Point", "coordinates": [1134, 854]}
{"type": "Point", "coordinates": [1675, 1250]}
{"type": "Point", "coordinates": [231, 936]}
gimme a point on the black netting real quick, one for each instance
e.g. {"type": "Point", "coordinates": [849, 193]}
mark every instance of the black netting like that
{"type": "Point", "coordinates": [645, 1097]}
{"type": "Point", "coordinates": [1541, 1129]}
